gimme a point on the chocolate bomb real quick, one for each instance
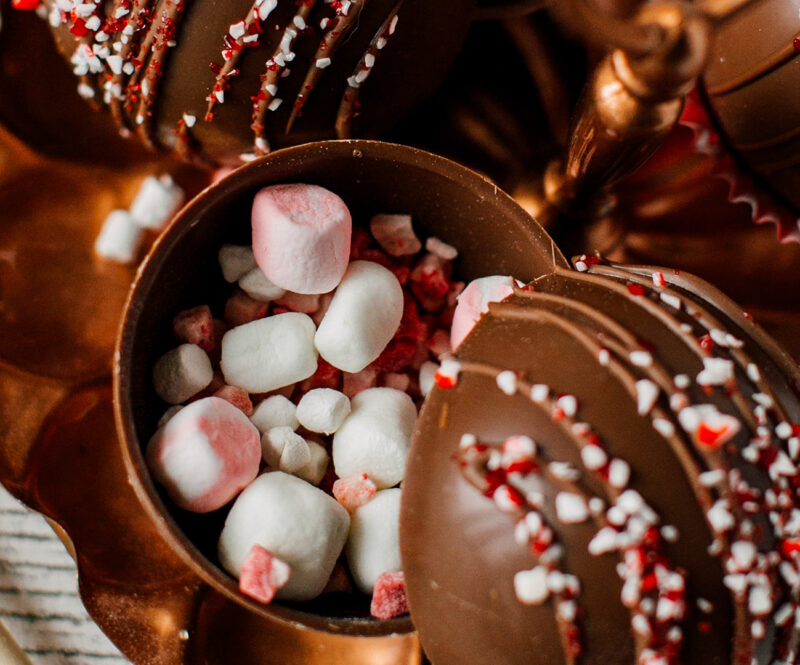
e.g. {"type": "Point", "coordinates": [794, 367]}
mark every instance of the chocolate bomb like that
{"type": "Point", "coordinates": [752, 86]}
{"type": "Point", "coordinates": [658, 512]}
{"type": "Point", "coordinates": [223, 79]}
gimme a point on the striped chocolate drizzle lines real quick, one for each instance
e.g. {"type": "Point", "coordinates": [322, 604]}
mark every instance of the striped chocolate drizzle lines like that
{"type": "Point", "coordinates": [743, 647]}
{"type": "Point", "coordinates": [349, 106]}
{"type": "Point", "coordinates": [337, 29]}
{"type": "Point", "coordinates": [587, 437]}
{"type": "Point", "coordinates": [266, 100]}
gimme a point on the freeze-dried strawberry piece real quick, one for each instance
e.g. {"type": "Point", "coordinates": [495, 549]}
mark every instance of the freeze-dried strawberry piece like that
{"type": "Point", "coordinates": [262, 574]}
{"type": "Point", "coordinates": [326, 376]}
{"type": "Point", "coordinates": [237, 396]}
{"type": "Point", "coordinates": [430, 278]}
{"type": "Point", "coordinates": [352, 384]}
{"type": "Point", "coordinates": [395, 234]}
{"type": "Point", "coordinates": [241, 308]}
{"type": "Point", "coordinates": [402, 273]}
{"type": "Point", "coordinates": [377, 256]}
{"type": "Point", "coordinates": [354, 491]}
{"type": "Point", "coordinates": [195, 326]}
{"type": "Point", "coordinates": [359, 241]}
{"type": "Point", "coordinates": [389, 596]}
{"type": "Point", "coordinates": [410, 323]}
{"type": "Point", "coordinates": [397, 355]}
{"type": "Point", "coordinates": [439, 342]}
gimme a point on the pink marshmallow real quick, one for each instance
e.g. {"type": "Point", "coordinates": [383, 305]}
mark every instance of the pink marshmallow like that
{"type": "Point", "coordinates": [301, 237]}
{"type": "Point", "coordinates": [205, 455]}
{"type": "Point", "coordinates": [474, 301]}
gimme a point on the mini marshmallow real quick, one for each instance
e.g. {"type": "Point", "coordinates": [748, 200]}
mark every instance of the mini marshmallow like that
{"type": "Point", "coordinates": [373, 545]}
{"type": "Point", "coordinates": [283, 449]}
{"type": "Point", "coordinates": [195, 326]}
{"type": "Point", "coordinates": [120, 238]}
{"type": "Point", "coordinates": [375, 437]}
{"type": "Point", "coordinates": [323, 410]}
{"type": "Point", "coordinates": [182, 373]}
{"type": "Point", "coordinates": [427, 377]}
{"type": "Point", "coordinates": [354, 491]}
{"type": "Point", "coordinates": [269, 353]}
{"type": "Point", "coordinates": [157, 200]}
{"type": "Point", "coordinates": [317, 466]}
{"type": "Point", "coordinates": [241, 308]}
{"type": "Point", "coordinates": [205, 454]}
{"type": "Point", "coordinates": [395, 234]}
{"type": "Point", "coordinates": [362, 318]}
{"type": "Point", "coordinates": [474, 301]}
{"type": "Point", "coordinates": [263, 574]}
{"type": "Point", "coordinates": [256, 285]}
{"type": "Point", "coordinates": [275, 411]}
{"type": "Point", "coordinates": [235, 261]}
{"type": "Point", "coordinates": [296, 522]}
{"type": "Point", "coordinates": [301, 237]}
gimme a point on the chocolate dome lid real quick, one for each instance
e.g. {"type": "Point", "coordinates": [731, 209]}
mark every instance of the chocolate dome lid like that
{"type": "Point", "coordinates": [665, 450]}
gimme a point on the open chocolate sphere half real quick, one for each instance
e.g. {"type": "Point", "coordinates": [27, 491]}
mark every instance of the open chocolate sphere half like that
{"type": "Point", "coordinates": [612, 479]}
{"type": "Point", "coordinates": [445, 200]}
{"type": "Point", "coordinates": [224, 79]}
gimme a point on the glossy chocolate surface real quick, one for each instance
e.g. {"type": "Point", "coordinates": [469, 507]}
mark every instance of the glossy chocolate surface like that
{"type": "Point", "coordinates": [446, 200]}
{"type": "Point", "coordinates": [752, 86]}
{"type": "Point", "coordinates": [459, 550]}
{"type": "Point", "coordinates": [202, 95]}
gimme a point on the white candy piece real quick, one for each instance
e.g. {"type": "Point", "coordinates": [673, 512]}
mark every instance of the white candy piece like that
{"type": "Point", "coordinates": [296, 522]}
{"type": "Point", "coordinates": [373, 546]}
{"type": "Point", "coordinates": [427, 376]}
{"type": "Point", "coordinates": [317, 466]}
{"type": "Point", "coordinates": [235, 261]}
{"type": "Point", "coordinates": [474, 301]}
{"type": "Point", "coordinates": [375, 437]}
{"type": "Point", "coordinates": [256, 285]}
{"type": "Point", "coordinates": [283, 449]}
{"type": "Point", "coordinates": [275, 411]}
{"type": "Point", "coordinates": [181, 373]}
{"type": "Point", "coordinates": [269, 353]}
{"type": "Point", "coordinates": [120, 238]}
{"type": "Point", "coordinates": [323, 410]}
{"type": "Point", "coordinates": [362, 318]}
{"type": "Point", "coordinates": [156, 202]}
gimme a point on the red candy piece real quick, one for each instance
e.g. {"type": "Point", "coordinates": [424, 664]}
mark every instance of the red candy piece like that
{"type": "Point", "coordinates": [430, 279]}
{"type": "Point", "coordinates": [389, 596]}
{"type": "Point", "coordinates": [25, 4]}
{"type": "Point", "coordinates": [237, 396]}
{"type": "Point", "coordinates": [354, 491]}
{"type": "Point", "coordinates": [326, 376]}
{"type": "Point", "coordinates": [262, 574]}
{"type": "Point", "coordinates": [195, 326]}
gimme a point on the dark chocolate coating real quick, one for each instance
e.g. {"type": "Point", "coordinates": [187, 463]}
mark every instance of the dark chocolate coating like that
{"type": "Point", "coordinates": [409, 67]}
{"type": "Point", "coordinates": [459, 551]}
{"type": "Point", "coordinates": [752, 86]}
{"type": "Point", "coordinates": [444, 199]}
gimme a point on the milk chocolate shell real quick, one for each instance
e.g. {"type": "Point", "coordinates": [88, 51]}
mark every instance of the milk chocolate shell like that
{"type": "Point", "coordinates": [445, 199]}
{"type": "Point", "coordinates": [657, 513]}
{"type": "Point", "coordinates": [752, 87]}
{"type": "Point", "coordinates": [228, 78]}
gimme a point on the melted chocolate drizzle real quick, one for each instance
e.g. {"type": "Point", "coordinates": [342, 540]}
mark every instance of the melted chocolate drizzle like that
{"type": "Point", "coordinates": [734, 434]}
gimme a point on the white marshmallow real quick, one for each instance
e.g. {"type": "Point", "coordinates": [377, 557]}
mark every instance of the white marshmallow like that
{"type": "Point", "coordinates": [283, 449]}
{"type": "Point", "coordinates": [317, 466]}
{"type": "Point", "coordinates": [256, 285]}
{"type": "Point", "coordinates": [296, 522]}
{"type": "Point", "coordinates": [120, 238]}
{"type": "Point", "coordinates": [157, 200]}
{"type": "Point", "coordinates": [362, 318]}
{"type": "Point", "coordinates": [373, 545]}
{"type": "Point", "coordinates": [275, 411]}
{"type": "Point", "coordinates": [375, 437]}
{"type": "Point", "coordinates": [269, 353]}
{"type": "Point", "coordinates": [181, 373]}
{"type": "Point", "coordinates": [323, 410]}
{"type": "Point", "coordinates": [235, 261]}
{"type": "Point", "coordinates": [205, 454]}
{"type": "Point", "coordinates": [427, 376]}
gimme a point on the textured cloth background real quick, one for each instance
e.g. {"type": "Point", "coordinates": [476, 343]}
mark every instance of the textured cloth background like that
{"type": "Point", "coordinates": [39, 602]}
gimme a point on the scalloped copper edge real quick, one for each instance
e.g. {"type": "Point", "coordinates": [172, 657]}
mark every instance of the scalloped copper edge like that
{"type": "Point", "coordinates": [741, 186]}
